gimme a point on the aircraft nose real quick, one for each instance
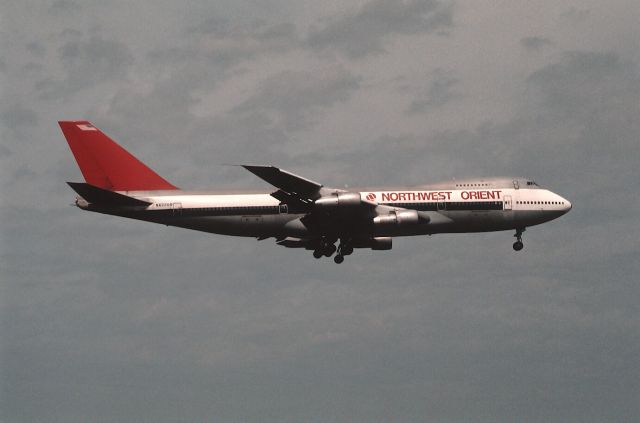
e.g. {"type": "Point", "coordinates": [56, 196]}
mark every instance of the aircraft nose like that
{"type": "Point", "coordinates": [567, 205]}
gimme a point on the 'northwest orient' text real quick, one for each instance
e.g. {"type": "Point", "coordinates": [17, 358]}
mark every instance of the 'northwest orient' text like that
{"type": "Point", "coordinates": [439, 195]}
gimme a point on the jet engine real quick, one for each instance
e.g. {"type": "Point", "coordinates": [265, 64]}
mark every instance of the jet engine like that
{"type": "Point", "coordinates": [400, 217]}
{"type": "Point", "coordinates": [339, 199]}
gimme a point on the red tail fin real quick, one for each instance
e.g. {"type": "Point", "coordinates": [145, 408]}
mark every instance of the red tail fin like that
{"type": "Point", "coordinates": [107, 165]}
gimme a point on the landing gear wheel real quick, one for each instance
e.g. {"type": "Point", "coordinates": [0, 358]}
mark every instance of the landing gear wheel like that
{"type": "Point", "coordinates": [518, 245]}
{"type": "Point", "coordinates": [339, 258]}
{"type": "Point", "coordinates": [317, 254]}
{"type": "Point", "coordinates": [345, 248]}
{"type": "Point", "coordinates": [329, 250]}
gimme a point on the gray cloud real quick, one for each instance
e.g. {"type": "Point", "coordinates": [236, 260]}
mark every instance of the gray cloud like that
{"type": "Point", "coordinates": [581, 83]}
{"type": "Point", "coordinates": [33, 67]}
{"type": "Point", "coordinates": [297, 98]}
{"type": "Point", "coordinates": [64, 6]}
{"type": "Point", "coordinates": [17, 123]}
{"type": "Point", "coordinates": [18, 116]}
{"type": "Point", "coordinates": [224, 44]}
{"type": "Point", "coordinates": [97, 57]}
{"type": "Point", "coordinates": [233, 43]}
{"type": "Point", "coordinates": [441, 90]}
{"type": "Point", "coordinates": [576, 14]}
{"type": "Point", "coordinates": [87, 62]}
{"type": "Point", "coordinates": [167, 104]}
{"type": "Point", "coordinates": [250, 136]}
{"type": "Point", "coordinates": [535, 43]}
{"type": "Point", "coordinates": [36, 48]}
{"type": "Point", "coordinates": [70, 33]}
{"type": "Point", "coordinates": [364, 32]}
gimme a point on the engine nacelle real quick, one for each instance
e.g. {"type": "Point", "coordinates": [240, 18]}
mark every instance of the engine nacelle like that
{"type": "Point", "coordinates": [339, 199]}
{"type": "Point", "coordinates": [401, 217]}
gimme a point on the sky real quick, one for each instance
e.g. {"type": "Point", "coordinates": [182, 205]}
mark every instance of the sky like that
{"type": "Point", "coordinates": [111, 320]}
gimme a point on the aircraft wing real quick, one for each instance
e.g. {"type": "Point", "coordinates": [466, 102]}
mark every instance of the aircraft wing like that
{"type": "Point", "coordinates": [284, 180]}
{"type": "Point", "coordinates": [301, 193]}
{"type": "Point", "coordinates": [293, 190]}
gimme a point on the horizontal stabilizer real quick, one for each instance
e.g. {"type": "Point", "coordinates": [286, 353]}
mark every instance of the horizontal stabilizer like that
{"type": "Point", "coordinates": [103, 197]}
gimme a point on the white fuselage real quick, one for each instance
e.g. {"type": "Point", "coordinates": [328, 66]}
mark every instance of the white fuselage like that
{"type": "Point", "coordinates": [466, 206]}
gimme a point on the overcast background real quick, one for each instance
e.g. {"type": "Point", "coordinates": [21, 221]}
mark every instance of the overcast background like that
{"type": "Point", "coordinates": [111, 320]}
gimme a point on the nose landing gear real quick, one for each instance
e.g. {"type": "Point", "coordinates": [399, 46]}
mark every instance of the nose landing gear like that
{"type": "Point", "coordinates": [518, 245]}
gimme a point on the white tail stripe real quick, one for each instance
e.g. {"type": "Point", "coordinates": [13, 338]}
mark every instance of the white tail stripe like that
{"type": "Point", "coordinates": [87, 127]}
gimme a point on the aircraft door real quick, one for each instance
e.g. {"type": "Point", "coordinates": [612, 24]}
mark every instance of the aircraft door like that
{"type": "Point", "coordinates": [507, 202]}
{"type": "Point", "coordinates": [176, 209]}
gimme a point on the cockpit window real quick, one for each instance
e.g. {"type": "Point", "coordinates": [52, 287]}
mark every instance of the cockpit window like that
{"type": "Point", "coordinates": [532, 183]}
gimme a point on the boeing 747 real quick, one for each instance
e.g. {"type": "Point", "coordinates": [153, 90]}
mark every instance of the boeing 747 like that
{"type": "Point", "coordinates": [301, 213]}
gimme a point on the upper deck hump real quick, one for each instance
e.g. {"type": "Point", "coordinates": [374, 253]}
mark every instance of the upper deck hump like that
{"type": "Point", "coordinates": [479, 183]}
{"type": "Point", "coordinates": [463, 184]}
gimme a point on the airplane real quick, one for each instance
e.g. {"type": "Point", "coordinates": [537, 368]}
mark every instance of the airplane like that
{"type": "Point", "coordinates": [299, 212]}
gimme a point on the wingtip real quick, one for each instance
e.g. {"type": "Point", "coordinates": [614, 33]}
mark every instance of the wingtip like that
{"type": "Point", "coordinates": [247, 166]}
{"type": "Point", "coordinates": [257, 166]}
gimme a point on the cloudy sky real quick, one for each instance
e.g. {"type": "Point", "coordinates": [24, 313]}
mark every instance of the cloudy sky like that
{"type": "Point", "coordinates": [105, 319]}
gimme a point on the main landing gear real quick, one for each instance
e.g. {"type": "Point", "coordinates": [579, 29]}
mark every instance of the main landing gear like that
{"type": "Point", "coordinates": [518, 245]}
{"type": "Point", "coordinates": [327, 248]}
{"type": "Point", "coordinates": [344, 249]}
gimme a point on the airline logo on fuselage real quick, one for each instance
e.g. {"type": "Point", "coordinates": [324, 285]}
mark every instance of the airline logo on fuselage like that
{"type": "Point", "coordinates": [480, 195]}
{"type": "Point", "coordinates": [417, 196]}
{"type": "Point", "coordinates": [424, 196]}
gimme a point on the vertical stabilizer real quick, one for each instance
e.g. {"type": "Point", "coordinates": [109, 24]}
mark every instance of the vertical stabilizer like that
{"type": "Point", "coordinates": [105, 164]}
